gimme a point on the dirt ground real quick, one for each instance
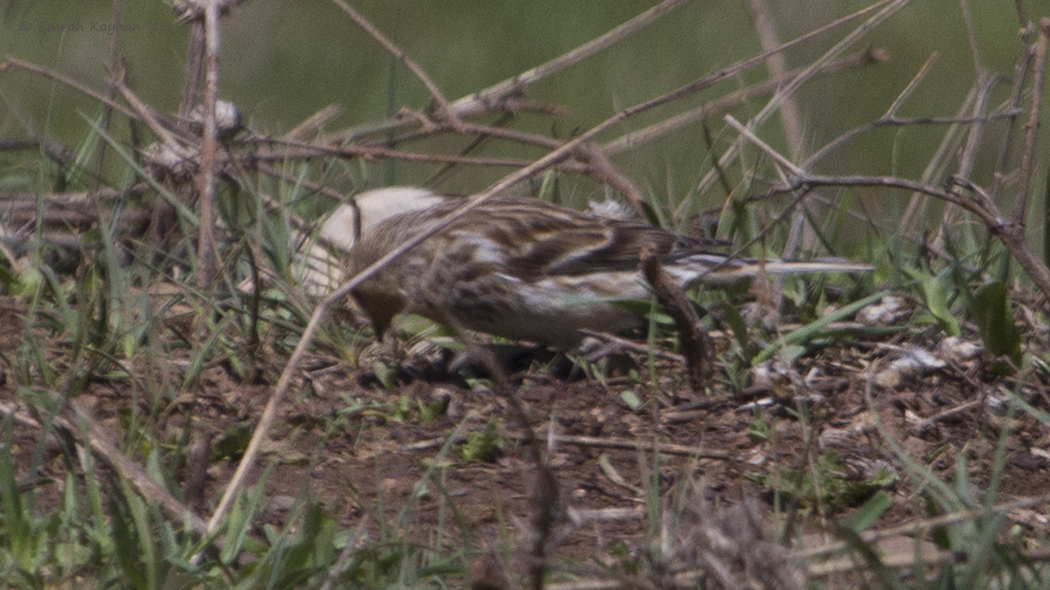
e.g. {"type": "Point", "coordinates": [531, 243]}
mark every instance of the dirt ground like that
{"type": "Point", "coordinates": [360, 449]}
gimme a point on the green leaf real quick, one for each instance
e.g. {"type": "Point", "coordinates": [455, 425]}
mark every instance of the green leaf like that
{"type": "Point", "coordinates": [639, 307]}
{"type": "Point", "coordinates": [867, 514]}
{"type": "Point", "coordinates": [991, 310]}
{"type": "Point", "coordinates": [935, 293]}
{"type": "Point", "coordinates": [739, 327]}
{"type": "Point", "coordinates": [483, 445]}
{"type": "Point", "coordinates": [14, 515]}
{"type": "Point", "coordinates": [808, 331]}
{"type": "Point", "coordinates": [632, 400]}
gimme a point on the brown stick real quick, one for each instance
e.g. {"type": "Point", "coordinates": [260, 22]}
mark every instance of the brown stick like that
{"type": "Point", "coordinates": [206, 252]}
{"type": "Point", "coordinates": [446, 112]}
{"type": "Point", "coordinates": [111, 93]}
{"type": "Point", "coordinates": [497, 95]}
{"type": "Point", "coordinates": [1032, 126]}
{"type": "Point", "coordinates": [635, 139]}
{"type": "Point", "coordinates": [883, 10]}
{"type": "Point", "coordinates": [696, 348]}
{"type": "Point", "coordinates": [13, 62]}
{"type": "Point", "coordinates": [1021, 68]}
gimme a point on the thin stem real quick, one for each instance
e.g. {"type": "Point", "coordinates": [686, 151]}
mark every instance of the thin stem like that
{"type": "Point", "coordinates": [206, 252]}
{"type": "Point", "coordinates": [435, 92]}
{"type": "Point", "coordinates": [1032, 126]}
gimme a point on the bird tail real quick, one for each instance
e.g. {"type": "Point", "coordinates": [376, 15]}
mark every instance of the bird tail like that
{"type": "Point", "coordinates": [719, 270]}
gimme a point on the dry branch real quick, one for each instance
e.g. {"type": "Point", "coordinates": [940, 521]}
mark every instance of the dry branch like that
{"type": "Point", "coordinates": [207, 255]}
{"type": "Point", "coordinates": [1032, 126]}
{"type": "Point", "coordinates": [447, 115]}
{"type": "Point", "coordinates": [696, 348]}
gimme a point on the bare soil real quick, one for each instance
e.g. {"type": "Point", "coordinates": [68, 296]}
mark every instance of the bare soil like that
{"type": "Point", "coordinates": [341, 441]}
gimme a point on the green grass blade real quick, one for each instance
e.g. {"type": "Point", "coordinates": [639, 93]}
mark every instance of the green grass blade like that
{"type": "Point", "coordinates": [811, 329]}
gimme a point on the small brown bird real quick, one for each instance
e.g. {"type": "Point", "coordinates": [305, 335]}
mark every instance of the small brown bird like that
{"type": "Point", "coordinates": [530, 270]}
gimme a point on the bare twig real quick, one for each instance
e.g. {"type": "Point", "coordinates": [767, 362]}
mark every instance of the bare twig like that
{"type": "Point", "coordinates": [696, 348]}
{"type": "Point", "coordinates": [885, 182]}
{"type": "Point", "coordinates": [1021, 68]}
{"type": "Point", "coordinates": [449, 117]}
{"type": "Point", "coordinates": [13, 62]}
{"type": "Point", "coordinates": [193, 70]}
{"type": "Point", "coordinates": [206, 253]}
{"type": "Point", "coordinates": [308, 152]}
{"type": "Point", "coordinates": [971, 39]}
{"type": "Point", "coordinates": [746, 133]}
{"type": "Point", "coordinates": [984, 86]}
{"type": "Point", "coordinates": [938, 163]}
{"type": "Point", "coordinates": [791, 122]}
{"type": "Point", "coordinates": [1010, 233]}
{"type": "Point", "coordinates": [1032, 126]}
{"type": "Point", "coordinates": [883, 10]}
{"type": "Point", "coordinates": [925, 525]}
{"type": "Point", "coordinates": [80, 201]}
{"type": "Point", "coordinates": [718, 106]}
{"type": "Point", "coordinates": [111, 91]}
{"type": "Point", "coordinates": [471, 147]}
{"type": "Point", "coordinates": [313, 123]}
{"type": "Point", "coordinates": [147, 115]}
{"type": "Point", "coordinates": [890, 115]}
{"type": "Point", "coordinates": [634, 445]}
{"type": "Point", "coordinates": [633, 346]}
{"type": "Point", "coordinates": [494, 96]}
{"type": "Point", "coordinates": [601, 442]}
{"type": "Point", "coordinates": [602, 169]}
{"type": "Point", "coordinates": [791, 118]}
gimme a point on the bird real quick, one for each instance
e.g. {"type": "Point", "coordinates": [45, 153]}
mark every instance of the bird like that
{"type": "Point", "coordinates": [317, 258]}
{"type": "Point", "coordinates": [527, 269]}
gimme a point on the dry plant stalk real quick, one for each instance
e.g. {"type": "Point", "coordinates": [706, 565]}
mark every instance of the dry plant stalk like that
{"type": "Point", "coordinates": [696, 348]}
{"type": "Point", "coordinates": [207, 255]}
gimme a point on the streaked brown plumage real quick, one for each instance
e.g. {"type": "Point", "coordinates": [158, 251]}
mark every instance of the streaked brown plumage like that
{"type": "Point", "coordinates": [529, 270]}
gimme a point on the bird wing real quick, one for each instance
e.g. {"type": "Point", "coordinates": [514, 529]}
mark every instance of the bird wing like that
{"type": "Point", "coordinates": [533, 239]}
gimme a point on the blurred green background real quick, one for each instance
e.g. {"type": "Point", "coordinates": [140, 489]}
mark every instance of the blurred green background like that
{"type": "Point", "coordinates": [282, 61]}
